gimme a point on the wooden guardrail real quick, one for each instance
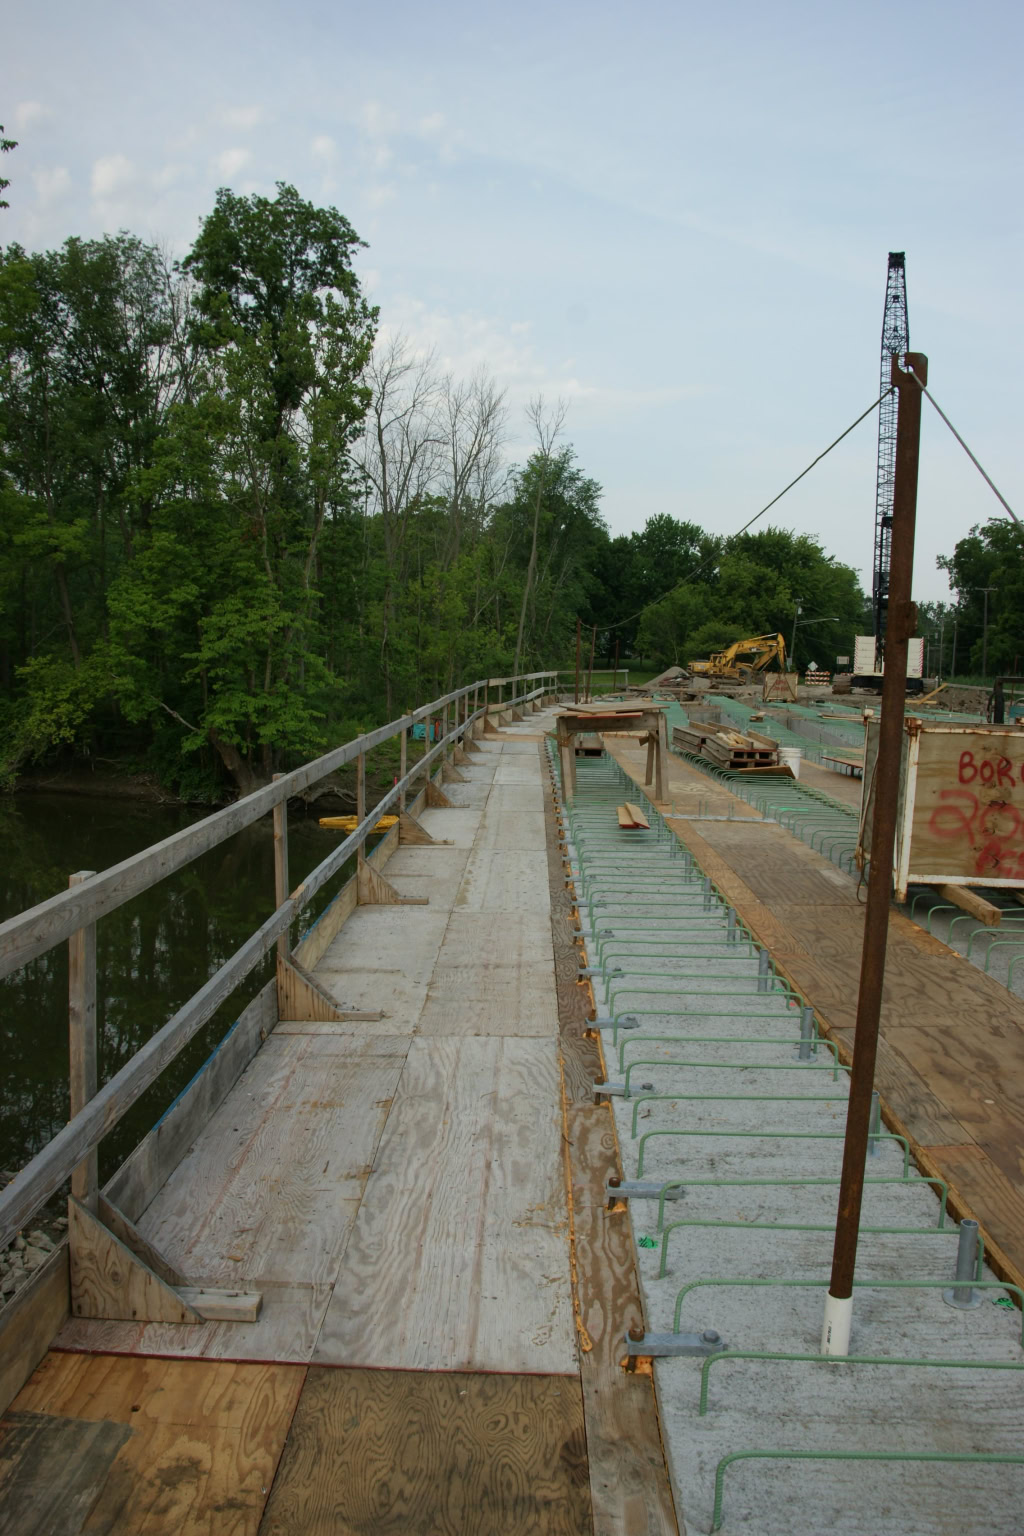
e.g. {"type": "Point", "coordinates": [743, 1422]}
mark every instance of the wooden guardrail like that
{"type": "Point", "coordinates": [72, 915]}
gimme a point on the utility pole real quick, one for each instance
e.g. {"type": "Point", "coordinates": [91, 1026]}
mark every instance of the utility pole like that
{"type": "Point", "coordinates": [942, 639]}
{"type": "Point", "coordinates": [952, 664]}
{"type": "Point", "coordinates": [590, 674]}
{"type": "Point", "coordinates": [792, 643]}
{"type": "Point", "coordinates": [576, 697]}
{"type": "Point", "coordinates": [984, 631]}
{"type": "Point", "coordinates": [901, 617]}
{"type": "Point", "coordinates": [615, 675]}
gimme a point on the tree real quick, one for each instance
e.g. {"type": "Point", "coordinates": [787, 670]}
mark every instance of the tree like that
{"type": "Point", "coordinates": [252, 470]}
{"type": "Point", "coordinates": [547, 427]}
{"type": "Point", "coordinates": [6, 145]}
{"type": "Point", "coordinates": [989, 556]}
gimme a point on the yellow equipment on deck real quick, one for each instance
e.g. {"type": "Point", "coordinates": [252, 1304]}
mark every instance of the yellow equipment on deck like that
{"type": "Point", "coordinates": [349, 823]}
{"type": "Point", "coordinates": [764, 649]}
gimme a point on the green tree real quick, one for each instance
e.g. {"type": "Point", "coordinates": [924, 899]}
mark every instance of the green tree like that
{"type": "Point", "coordinates": [990, 556]}
{"type": "Point", "coordinates": [254, 467]}
{"type": "Point", "coordinates": [6, 145]}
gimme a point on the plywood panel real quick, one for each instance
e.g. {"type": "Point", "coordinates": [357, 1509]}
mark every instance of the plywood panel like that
{"type": "Point", "coordinates": [402, 1454]}
{"type": "Point", "coordinates": [500, 881]}
{"type": "Point", "coordinates": [968, 804]}
{"type": "Point", "coordinates": [52, 1470]}
{"type": "Point", "coordinates": [200, 1442]}
{"type": "Point", "coordinates": [270, 1188]}
{"type": "Point", "coordinates": [466, 1265]}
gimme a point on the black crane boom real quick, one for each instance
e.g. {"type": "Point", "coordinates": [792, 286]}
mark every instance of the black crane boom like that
{"type": "Point", "coordinates": [895, 341]}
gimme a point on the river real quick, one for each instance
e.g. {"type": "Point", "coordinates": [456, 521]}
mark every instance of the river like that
{"type": "Point", "coordinates": [152, 953]}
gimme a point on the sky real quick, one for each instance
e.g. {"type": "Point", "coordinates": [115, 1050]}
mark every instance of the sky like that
{"type": "Point", "coordinates": [674, 217]}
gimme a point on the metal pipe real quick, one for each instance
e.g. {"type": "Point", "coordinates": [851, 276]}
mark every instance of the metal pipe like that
{"type": "Point", "coordinates": [962, 1294]}
{"type": "Point", "coordinates": [874, 1124]}
{"type": "Point", "coordinates": [902, 619]}
{"type": "Point", "coordinates": [806, 1033]}
{"type": "Point", "coordinates": [764, 965]}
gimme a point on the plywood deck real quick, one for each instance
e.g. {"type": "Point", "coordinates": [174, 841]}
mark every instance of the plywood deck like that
{"type": "Point", "coordinates": [402, 1454]}
{"type": "Point", "coordinates": [395, 1188]}
{"type": "Point", "coordinates": [143, 1447]}
{"type": "Point", "coordinates": [951, 1050]}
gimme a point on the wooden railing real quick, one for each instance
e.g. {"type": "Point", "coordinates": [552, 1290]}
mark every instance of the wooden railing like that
{"type": "Point", "coordinates": [71, 917]}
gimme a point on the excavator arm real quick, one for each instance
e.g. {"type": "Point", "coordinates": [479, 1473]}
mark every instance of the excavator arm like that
{"type": "Point", "coordinates": [761, 649]}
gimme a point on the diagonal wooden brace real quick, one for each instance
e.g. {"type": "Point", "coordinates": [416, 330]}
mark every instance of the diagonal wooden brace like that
{"type": "Point", "coordinates": [117, 1274]}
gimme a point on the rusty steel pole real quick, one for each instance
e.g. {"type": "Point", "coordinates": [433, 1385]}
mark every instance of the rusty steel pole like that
{"type": "Point", "coordinates": [902, 621]}
{"type": "Point", "coordinates": [576, 696]}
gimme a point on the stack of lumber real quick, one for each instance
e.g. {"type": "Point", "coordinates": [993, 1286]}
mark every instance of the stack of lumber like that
{"type": "Point", "coordinates": [736, 749]}
{"type": "Point", "coordinates": [727, 748]}
{"type": "Point", "coordinates": [631, 817]}
{"type": "Point", "coordinates": [691, 738]}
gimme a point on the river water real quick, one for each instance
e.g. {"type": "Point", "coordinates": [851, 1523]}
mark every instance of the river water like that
{"type": "Point", "coordinates": [152, 954]}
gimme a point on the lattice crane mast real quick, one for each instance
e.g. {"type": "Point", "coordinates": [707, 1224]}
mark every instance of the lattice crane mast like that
{"type": "Point", "coordinates": [895, 341]}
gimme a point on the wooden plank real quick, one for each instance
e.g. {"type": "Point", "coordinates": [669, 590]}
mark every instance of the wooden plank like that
{"type": "Point", "coordinates": [624, 817]}
{"type": "Point", "coordinates": [453, 1455]}
{"type": "Point", "coordinates": [442, 1271]}
{"type": "Point", "coordinates": [128, 1233]}
{"type": "Point", "coordinates": [639, 819]}
{"type": "Point", "coordinates": [52, 1471]}
{"type": "Point", "coordinates": [969, 901]}
{"type": "Point", "coordinates": [30, 1321]}
{"type": "Point", "coordinates": [978, 1188]}
{"type": "Point", "coordinates": [221, 1306]}
{"type": "Point", "coordinates": [200, 1446]}
{"type": "Point", "coordinates": [109, 1281]}
{"type": "Point", "coordinates": [317, 940]}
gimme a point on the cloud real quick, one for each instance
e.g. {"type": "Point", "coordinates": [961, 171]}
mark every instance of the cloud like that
{"type": "Point", "coordinates": [429, 127]}
{"type": "Point", "coordinates": [111, 174]}
{"type": "Point", "coordinates": [378, 121]}
{"type": "Point", "coordinates": [245, 118]}
{"type": "Point", "coordinates": [28, 112]}
{"type": "Point", "coordinates": [323, 147]}
{"type": "Point", "coordinates": [230, 161]}
{"type": "Point", "coordinates": [52, 184]}
{"type": "Point", "coordinates": [378, 196]}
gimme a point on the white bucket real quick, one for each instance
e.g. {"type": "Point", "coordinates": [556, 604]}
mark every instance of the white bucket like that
{"type": "Point", "coordinates": [789, 757]}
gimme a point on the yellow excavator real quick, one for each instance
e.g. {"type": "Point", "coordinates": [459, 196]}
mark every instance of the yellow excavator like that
{"type": "Point", "coordinates": [761, 650]}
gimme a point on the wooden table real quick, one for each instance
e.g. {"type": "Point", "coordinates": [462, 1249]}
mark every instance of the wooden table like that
{"type": "Point", "coordinates": [632, 717]}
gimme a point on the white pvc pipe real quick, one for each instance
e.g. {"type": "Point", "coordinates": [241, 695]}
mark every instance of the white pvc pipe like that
{"type": "Point", "coordinates": [835, 1331]}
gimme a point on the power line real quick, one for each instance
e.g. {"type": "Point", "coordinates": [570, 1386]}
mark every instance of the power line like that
{"type": "Point", "coordinates": [987, 478]}
{"type": "Point", "coordinates": [692, 575]}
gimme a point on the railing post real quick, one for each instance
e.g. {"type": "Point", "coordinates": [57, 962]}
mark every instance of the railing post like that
{"type": "Point", "coordinates": [361, 803]}
{"type": "Point", "coordinates": [403, 764]}
{"type": "Point", "coordinates": [281, 875]}
{"type": "Point", "coordinates": [82, 1043]}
